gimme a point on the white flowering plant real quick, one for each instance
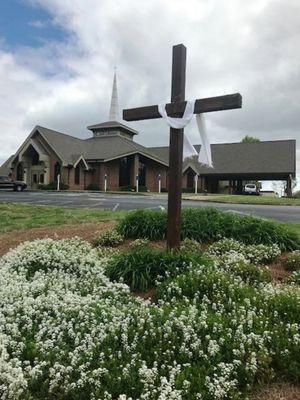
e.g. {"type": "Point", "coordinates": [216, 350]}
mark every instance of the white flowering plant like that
{"type": "Point", "coordinates": [110, 238]}
{"type": "Point", "coordinates": [139, 243]}
{"type": "Point", "coordinates": [255, 254]}
{"type": "Point", "coordinates": [292, 262]}
{"type": "Point", "coordinates": [190, 245]}
{"type": "Point", "coordinates": [67, 332]}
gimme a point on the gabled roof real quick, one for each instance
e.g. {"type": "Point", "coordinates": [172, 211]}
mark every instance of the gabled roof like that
{"type": "Point", "coordinates": [269, 157]}
{"type": "Point", "coordinates": [104, 148]}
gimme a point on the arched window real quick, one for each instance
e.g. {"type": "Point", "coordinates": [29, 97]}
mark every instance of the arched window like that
{"type": "Point", "coordinates": [77, 174]}
{"type": "Point", "coordinates": [190, 179]}
{"type": "Point", "coordinates": [57, 170]}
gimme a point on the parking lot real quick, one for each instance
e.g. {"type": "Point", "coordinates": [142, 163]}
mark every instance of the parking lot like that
{"type": "Point", "coordinates": [133, 201]}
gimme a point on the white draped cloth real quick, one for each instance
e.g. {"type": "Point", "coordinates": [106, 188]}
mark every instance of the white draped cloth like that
{"type": "Point", "coordinates": [189, 150]}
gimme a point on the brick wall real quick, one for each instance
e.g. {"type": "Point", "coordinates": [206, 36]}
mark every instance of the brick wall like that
{"type": "Point", "coordinates": [153, 169]}
{"type": "Point", "coordinates": [111, 168]}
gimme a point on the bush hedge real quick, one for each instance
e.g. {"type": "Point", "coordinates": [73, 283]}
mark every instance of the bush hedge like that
{"type": "Point", "coordinates": [92, 186]}
{"type": "Point", "coordinates": [53, 186]}
{"type": "Point", "coordinates": [207, 225]}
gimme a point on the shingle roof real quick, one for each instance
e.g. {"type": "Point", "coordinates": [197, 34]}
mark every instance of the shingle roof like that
{"type": "Point", "coordinates": [5, 167]}
{"type": "Point", "coordinates": [269, 157]}
{"type": "Point", "coordinates": [112, 124]}
{"type": "Point", "coordinates": [95, 148]}
{"type": "Point", "coordinates": [244, 158]}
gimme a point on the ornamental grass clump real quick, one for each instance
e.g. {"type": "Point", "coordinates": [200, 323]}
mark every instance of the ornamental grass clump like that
{"type": "Point", "coordinates": [206, 225]}
{"type": "Point", "coordinates": [109, 238]}
{"type": "Point", "coordinates": [141, 266]}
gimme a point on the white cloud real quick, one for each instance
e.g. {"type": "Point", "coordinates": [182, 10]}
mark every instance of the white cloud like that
{"type": "Point", "coordinates": [252, 49]}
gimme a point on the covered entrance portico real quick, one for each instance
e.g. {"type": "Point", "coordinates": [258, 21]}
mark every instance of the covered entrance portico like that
{"type": "Point", "coordinates": [235, 183]}
{"type": "Point", "coordinates": [33, 165]}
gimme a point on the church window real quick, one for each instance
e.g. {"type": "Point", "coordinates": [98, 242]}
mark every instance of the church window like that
{"type": "Point", "coordinates": [77, 174]}
{"type": "Point", "coordinates": [190, 179]}
{"type": "Point", "coordinates": [124, 172]}
{"type": "Point", "coordinates": [142, 171]}
{"type": "Point", "coordinates": [57, 171]}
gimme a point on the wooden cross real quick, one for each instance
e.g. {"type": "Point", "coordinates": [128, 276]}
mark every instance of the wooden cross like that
{"type": "Point", "coordinates": [176, 109]}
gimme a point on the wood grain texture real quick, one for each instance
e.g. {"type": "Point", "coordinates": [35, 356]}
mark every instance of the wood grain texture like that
{"type": "Point", "coordinates": [209, 104]}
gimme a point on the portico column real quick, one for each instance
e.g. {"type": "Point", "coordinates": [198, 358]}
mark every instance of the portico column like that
{"type": "Point", "coordinates": [289, 186]}
{"type": "Point", "coordinates": [134, 169]}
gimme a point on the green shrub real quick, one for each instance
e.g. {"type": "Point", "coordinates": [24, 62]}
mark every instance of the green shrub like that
{"type": "Point", "coordinates": [110, 238]}
{"type": "Point", "coordinates": [296, 195]}
{"type": "Point", "coordinates": [53, 186]}
{"type": "Point", "coordinates": [207, 225]}
{"type": "Point", "coordinates": [292, 263]}
{"type": "Point", "coordinates": [140, 267]}
{"type": "Point", "coordinates": [92, 186]}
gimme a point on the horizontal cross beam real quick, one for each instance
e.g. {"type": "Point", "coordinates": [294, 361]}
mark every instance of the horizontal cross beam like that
{"type": "Point", "coordinates": [219, 103]}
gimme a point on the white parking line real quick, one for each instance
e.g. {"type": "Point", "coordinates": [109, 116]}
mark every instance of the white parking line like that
{"type": "Point", "coordinates": [115, 207]}
{"type": "Point", "coordinates": [99, 203]}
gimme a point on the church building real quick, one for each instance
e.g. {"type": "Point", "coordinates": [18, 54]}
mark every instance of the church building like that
{"type": "Point", "coordinates": [112, 159]}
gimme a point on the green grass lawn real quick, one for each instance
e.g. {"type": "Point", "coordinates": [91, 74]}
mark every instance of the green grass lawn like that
{"type": "Point", "coordinates": [23, 216]}
{"type": "Point", "coordinates": [243, 199]}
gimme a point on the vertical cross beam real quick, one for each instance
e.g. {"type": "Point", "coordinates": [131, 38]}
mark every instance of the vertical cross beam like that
{"type": "Point", "coordinates": [176, 150]}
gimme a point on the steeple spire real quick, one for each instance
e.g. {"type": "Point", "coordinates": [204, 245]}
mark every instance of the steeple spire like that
{"type": "Point", "coordinates": [114, 104]}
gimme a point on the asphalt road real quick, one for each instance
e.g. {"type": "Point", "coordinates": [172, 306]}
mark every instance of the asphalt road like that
{"type": "Point", "coordinates": [132, 202]}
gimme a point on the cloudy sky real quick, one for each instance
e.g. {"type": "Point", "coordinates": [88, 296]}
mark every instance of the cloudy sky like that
{"type": "Point", "coordinates": [57, 59]}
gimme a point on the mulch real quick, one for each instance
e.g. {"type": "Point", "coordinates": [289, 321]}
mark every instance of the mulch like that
{"type": "Point", "coordinates": [85, 231]}
{"type": "Point", "coordinates": [277, 391]}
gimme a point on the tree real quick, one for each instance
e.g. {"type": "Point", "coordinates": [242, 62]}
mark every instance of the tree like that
{"type": "Point", "coordinates": [250, 139]}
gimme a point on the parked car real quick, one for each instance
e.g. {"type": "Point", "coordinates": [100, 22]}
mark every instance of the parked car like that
{"type": "Point", "coordinates": [251, 188]}
{"type": "Point", "coordinates": [7, 183]}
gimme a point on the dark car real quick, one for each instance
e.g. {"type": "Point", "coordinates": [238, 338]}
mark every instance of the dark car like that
{"type": "Point", "coordinates": [7, 183]}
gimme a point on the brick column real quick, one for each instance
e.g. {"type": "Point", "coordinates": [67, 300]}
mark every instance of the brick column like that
{"type": "Point", "coordinates": [289, 186]}
{"type": "Point", "coordinates": [134, 169]}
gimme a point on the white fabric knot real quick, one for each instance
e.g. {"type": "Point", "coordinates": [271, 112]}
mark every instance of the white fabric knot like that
{"type": "Point", "coordinates": [204, 156]}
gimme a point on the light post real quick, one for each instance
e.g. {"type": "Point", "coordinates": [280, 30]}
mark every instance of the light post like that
{"type": "Point", "coordinates": [58, 182]}
{"type": "Point", "coordinates": [105, 183]}
{"type": "Point", "coordinates": [196, 184]}
{"type": "Point", "coordinates": [159, 183]}
{"type": "Point", "coordinates": [137, 183]}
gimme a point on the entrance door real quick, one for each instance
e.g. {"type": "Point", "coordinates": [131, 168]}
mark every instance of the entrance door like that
{"type": "Point", "coordinates": [37, 178]}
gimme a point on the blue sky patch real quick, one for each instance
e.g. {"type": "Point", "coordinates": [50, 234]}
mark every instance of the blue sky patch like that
{"type": "Point", "coordinates": [24, 25]}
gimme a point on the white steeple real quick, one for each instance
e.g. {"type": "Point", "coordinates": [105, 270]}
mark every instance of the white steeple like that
{"type": "Point", "coordinates": [114, 104]}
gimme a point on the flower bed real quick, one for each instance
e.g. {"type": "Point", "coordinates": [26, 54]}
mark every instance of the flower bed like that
{"type": "Point", "coordinates": [67, 332]}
